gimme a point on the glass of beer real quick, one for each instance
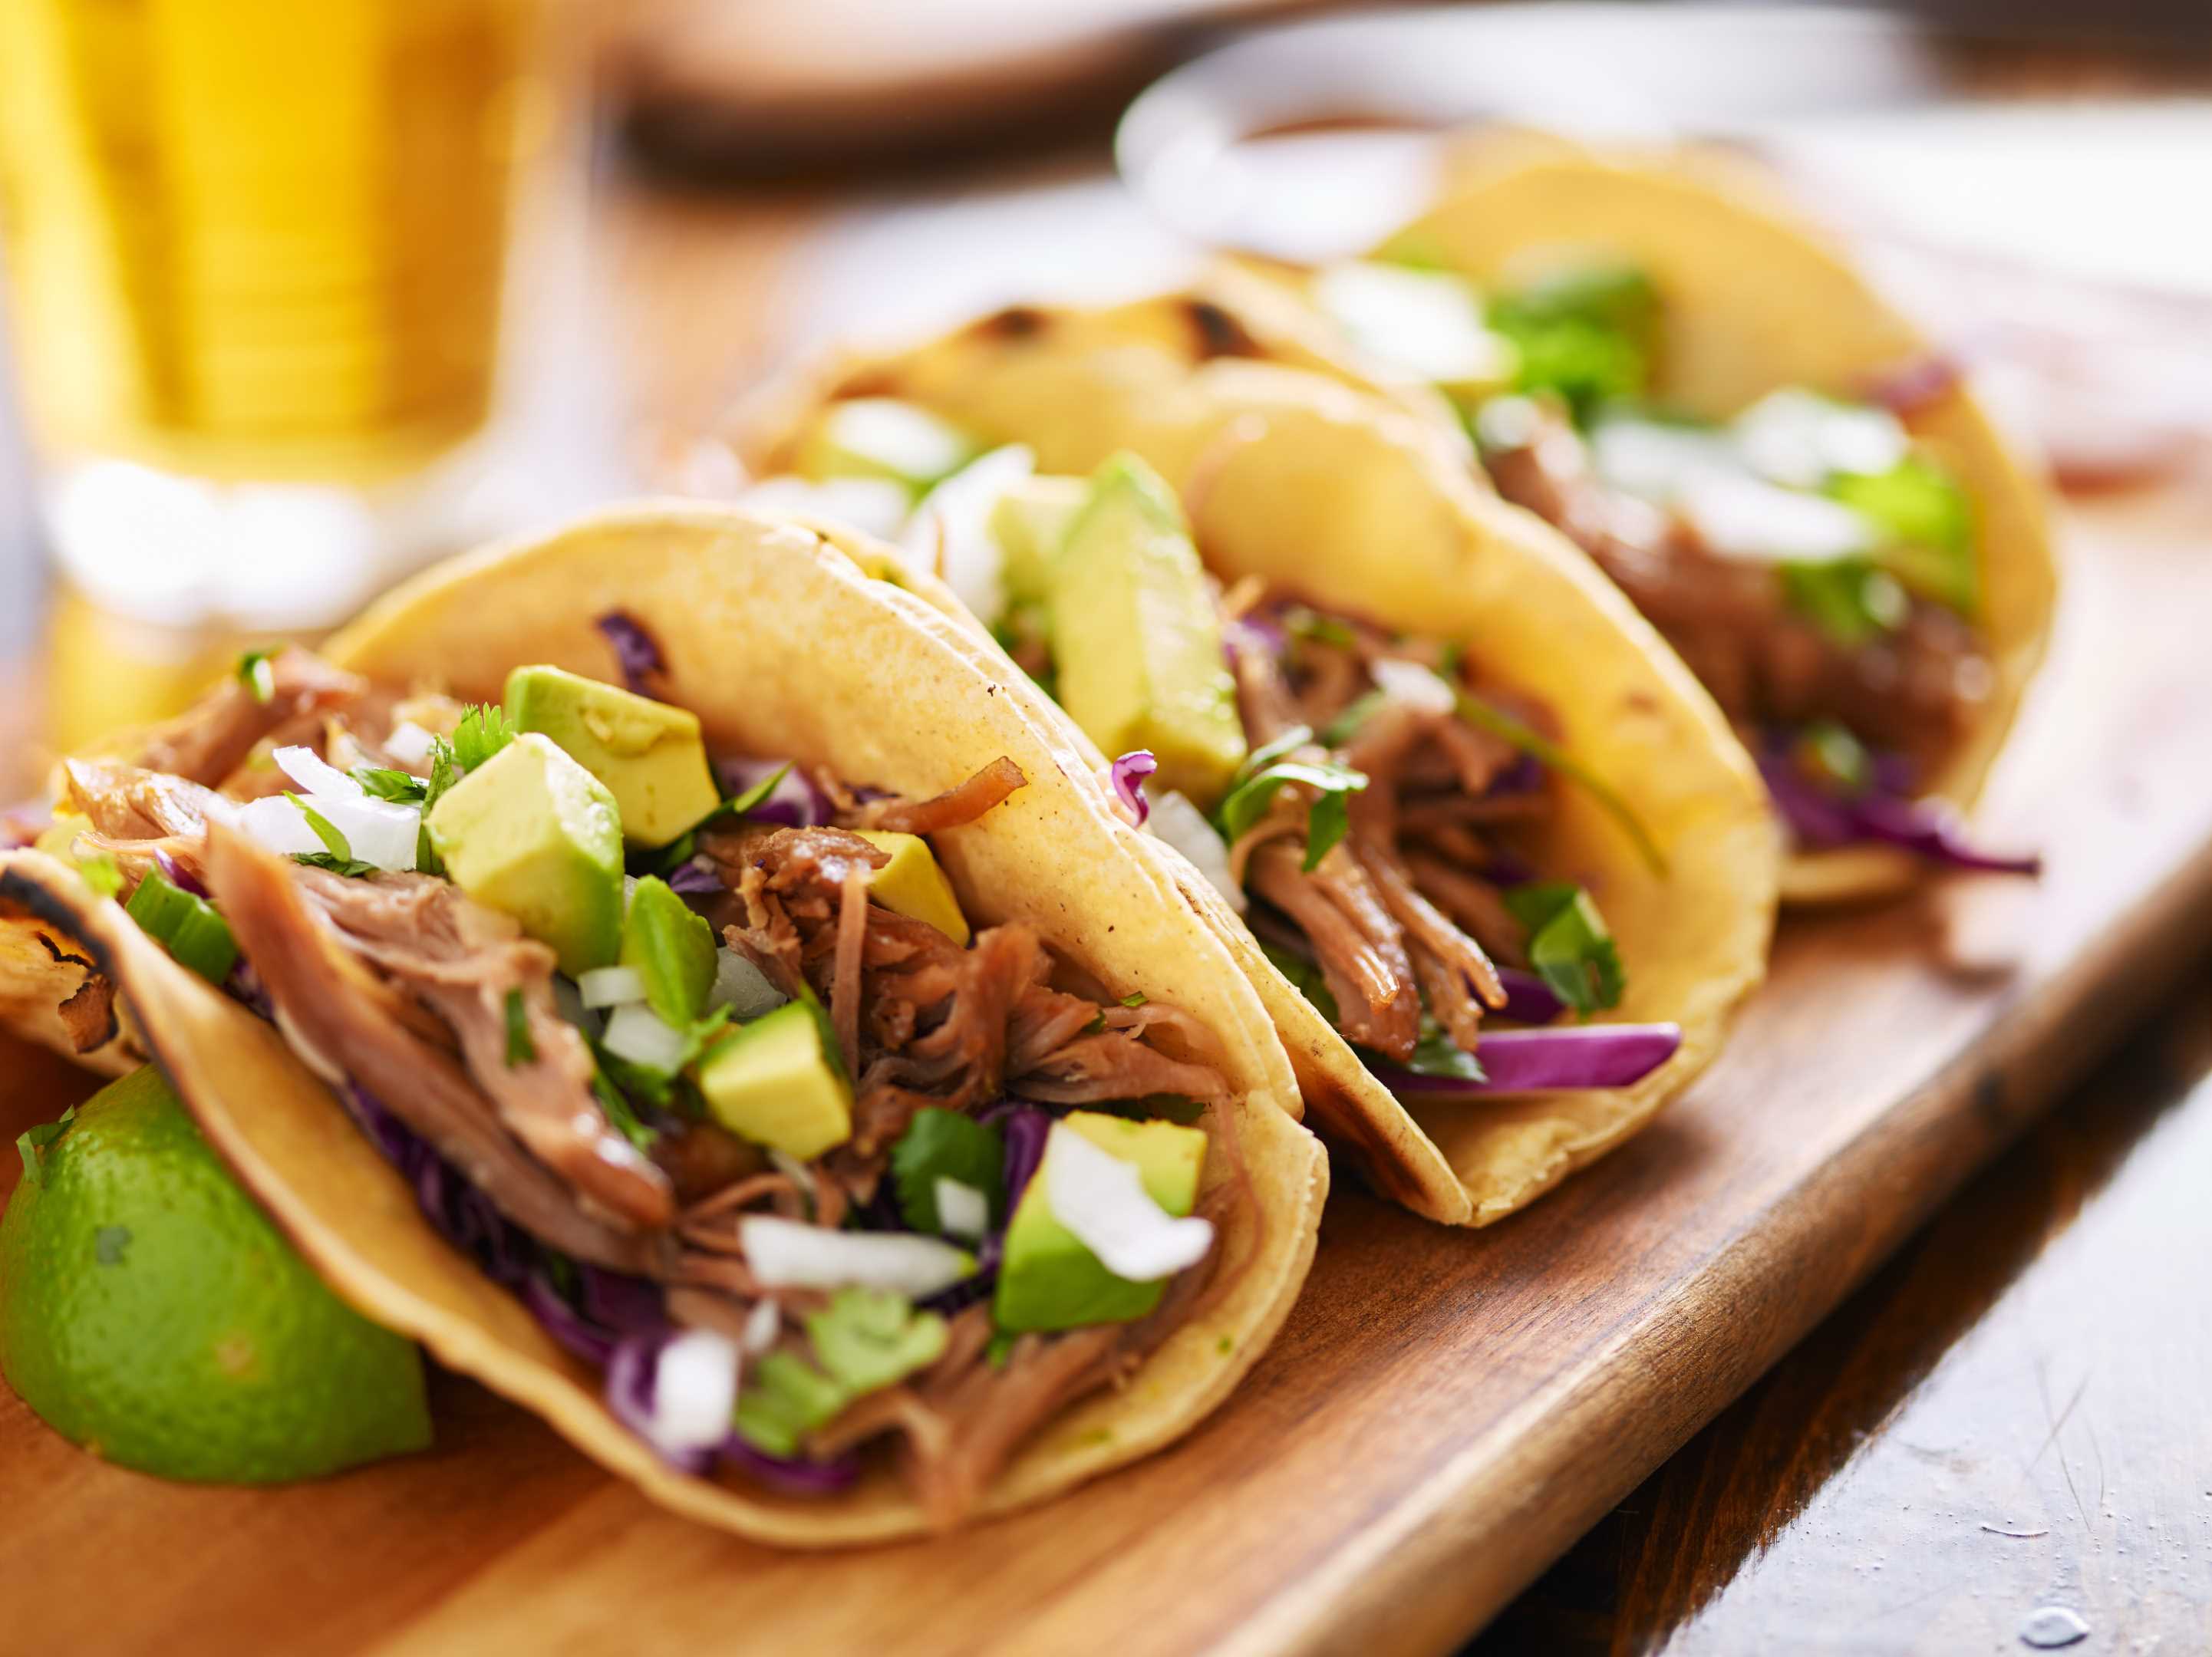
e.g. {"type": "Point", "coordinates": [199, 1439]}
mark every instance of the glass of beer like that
{"type": "Point", "coordinates": [255, 253]}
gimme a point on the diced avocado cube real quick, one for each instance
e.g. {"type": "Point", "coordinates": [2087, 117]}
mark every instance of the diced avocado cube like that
{"type": "Point", "coordinates": [776, 1083]}
{"type": "Point", "coordinates": [1029, 522]}
{"type": "Point", "coordinates": [882, 437]}
{"type": "Point", "coordinates": [651, 756]}
{"type": "Point", "coordinates": [671, 948]}
{"type": "Point", "coordinates": [783, 1399]}
{"type": "Point", "coordinates": [912, 884]}
{"type": "Point", "coordinates": [535, 835]}
{"type": "Point", "coordinates": [1136, 634]}
{"type": "Point", "coordinates": [58, 838]}
{"type": "Point", "coordinates": [1048, 1280]}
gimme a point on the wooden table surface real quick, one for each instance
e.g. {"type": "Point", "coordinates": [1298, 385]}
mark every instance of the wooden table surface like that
{"type": "Point", "coordinates": [2009, 1416]}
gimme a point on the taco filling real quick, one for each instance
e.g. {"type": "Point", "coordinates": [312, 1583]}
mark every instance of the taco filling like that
{"type": "Point", "coordinates": [699, 1056]}
{"type": "Point", "coordinates": [1813, 563]}
{"type": "Point", "coordinates": [1373, 807]}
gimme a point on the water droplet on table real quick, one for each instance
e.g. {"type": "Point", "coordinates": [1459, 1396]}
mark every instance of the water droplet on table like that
{"type": "Point", "coordinates": [2048, 1627]}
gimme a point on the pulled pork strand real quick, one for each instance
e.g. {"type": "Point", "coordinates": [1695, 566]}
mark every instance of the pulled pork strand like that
{"type": "Point", "coordinates": [213, 738]}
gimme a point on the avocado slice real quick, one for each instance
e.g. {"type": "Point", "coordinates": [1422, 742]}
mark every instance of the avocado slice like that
{"type": "Point", "coordinates": [1137, 636]}
{"type": "Point", "coordinates": [777, 1081]}
{"type": "Point", "coordinates": [535, 835]}
{"type": "Point", "coordinates": [883, 437]}
{"type": "Point", "coordinates": [671, 949]}
{"type": "Point", "coordinates": [1048, 1280]}
{"type": "Point", "coordinates": [912, 884]}
{"type": "Point", "coordinates": [651, 756]}
{"type": "Point", "coordinates": [1030, 523]}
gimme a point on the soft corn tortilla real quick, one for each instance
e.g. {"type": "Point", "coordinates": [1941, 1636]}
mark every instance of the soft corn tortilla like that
{"type": "Point", "coordinates": [782, 644]}
{"type": "Point", "coordinates": [1753, 298]}
{"type": "Point", "coordinates": [1367, 508]}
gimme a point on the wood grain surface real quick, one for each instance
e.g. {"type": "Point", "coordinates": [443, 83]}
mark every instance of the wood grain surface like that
{"type": "Point", "coordinates": [1447, 1410]}
{"type": "Point", "coordinates": [2008, 1418]}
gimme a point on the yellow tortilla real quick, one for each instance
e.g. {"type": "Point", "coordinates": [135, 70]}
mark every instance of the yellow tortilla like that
{"type": "Point", "coordinates": [783, 644]}
{"type": "Point", "coordinates": [1367, 508]}
{"type": "Point", "coordinates": [1754, 298]}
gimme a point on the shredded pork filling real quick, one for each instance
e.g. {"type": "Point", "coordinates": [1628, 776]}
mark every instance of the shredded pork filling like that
{"type": "Point", "coordinates": [1402, 914]}
{"type": "Point", "coordinates": [1914, 691]}
{"type": "Point", "coordinates": [405, 987]}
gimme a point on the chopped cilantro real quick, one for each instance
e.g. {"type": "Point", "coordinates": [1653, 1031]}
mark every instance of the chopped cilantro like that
{"type": "Point", "coordinates": [944, 1145]}
{"type": "Point", "coordinates": [1552, 756]}
{"type": "Point", "coordinates": [379, 782]}
{"type": "Point", "coordinates": [1853, 600]}
{"type": "Point", "coordinates": [521, 1048]}
{"type": "Point", "coordinates": [621, 1114]}
{"type": "Point", "coordinates": [31, 1143]}
{"type": "Point", "coordinates": [1435, 1053]}
{"type": "Point", "coordinates": [337, 854]}
{"type": "Point", "coordinates": [1568, 944]}
{"type": "Point", "coordinates": [1135, 999]}
{"type": "Point", "coordinates": [255, 674]}
{"type": "Point", "coordinates": [482, 731]}
{"type": "Point", "coordinates": [1264, 775]}
{"type": "Point", "coordinates": [867, 1339]}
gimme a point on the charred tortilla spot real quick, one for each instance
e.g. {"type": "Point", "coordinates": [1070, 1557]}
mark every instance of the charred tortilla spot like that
{"type": "Point", "coordinates": [1016, 322]}
{"type": "Point", "coordinates": [88, 1016]}
{"type": "Point", "coordinates": [1219, 333]}
{"type": "Point", "coordinates": [61, 957]}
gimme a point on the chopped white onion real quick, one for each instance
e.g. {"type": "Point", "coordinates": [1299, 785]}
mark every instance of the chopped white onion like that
{"type": "Point", "coordinates": [409, 744]}
{"type": "Point", "coordinates": [1184, 826]}
{"type": "Point", "coordinates": [377, 832]}
{"type": "Point", "coordinates": [952, 525]}
{"type": "Point", "coordinates": [874, 505]}
{"type": "Point", "coordinates": [1417, 687]}
{"type": "Point", "coordinates": [1658, 461]}
{"type": "Point", "coordinates": [1103, 1202]}
{"type": "Point", "coordinates": [637, 1033]}
{"type": "Point", "coordinates": [762, 1324]}
{"type": "Point", "coordinates": [610, 986]}
{"type": "Point", "coordinates": [316, 775]}
{"type": "Point", "coordinates": [1425, 324]}
{"type": "Point", "coordinates": [742, 986]}
{"type": "Point", "coordinates": [790, 1254]}
{"type": "Point", "coordinates": [902, 437]}
{"type": "Point", "coordinates": [1743, 517]}
{"type": "Point", "coordinates": [962, 1210]}
{"type": "Point", "coordinates": [694, 1391]}
{"type": "Point", "coordinates": [1799, 438]}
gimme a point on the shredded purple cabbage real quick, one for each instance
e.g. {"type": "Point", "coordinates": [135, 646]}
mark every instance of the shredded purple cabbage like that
{"type": "Point", "coordinates": [1131, 769]}
{"type": "Point", "coordinates": [795, 802]}
{"type": "Point", "coordinates": [800, 1477]}
{"type": "Point", "coordinates": [177, 876]}
{"type": "Point", "coordinates": [1525, 1061]}
{"type": "Point", "coordinates": [1026, 1128]}
{"type": "Point", "coordinates": [1822, 820]}
{"type": "Point", "coordinates": [632, 1382]}
{"type": "Point", "coordinates": [1256, 634]}
{"type": "Point", "coordinates": [1529, 999]}
{"type": "Point", "coordinates": [696, 877]}
{"type": "Point", "coordinates": [637, 650]}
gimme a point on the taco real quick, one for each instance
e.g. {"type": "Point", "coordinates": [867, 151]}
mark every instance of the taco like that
{"type": "Point", "coordinates": [1659, 357]}
{"type": "Point", "coordinates": [695, 989]}
{"type": "Point", "coordinates": [1421, 767]}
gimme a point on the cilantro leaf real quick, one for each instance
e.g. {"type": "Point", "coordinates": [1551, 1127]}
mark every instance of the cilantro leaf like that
{"type": "Point", "coordinates": [254, 673]}
{"type": "Point", "coordinates": [482, 731]}
{"type": "Point", "coordinates": [1264, 775]}
{"type": "Point", "coordinates": [379, 782]}
{"type": "Point", "coordinates": [621, 1114]}
{"type": "Point", "coordinates": [521, 1048]}
{"type": "Point", "coordinates": [1850, 599]}
{"type": "Point", "coordinates": [867, 1339]}
{"type": "Point", "coordinates": [31, 1143]}
{"type": "Point", "coordinates": [944, 1145]}
{"type": "Point", "coordinates": [1568, 944]}
{"type": "Point", "coordinates": [337, 854]}
{"type": "Point", "coordinates": [1549, 755]}
{"type": "Point", "coordinates": [685, 846]}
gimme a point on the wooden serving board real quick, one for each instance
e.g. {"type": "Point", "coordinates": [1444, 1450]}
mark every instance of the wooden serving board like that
{"type": "Point", "coordinates": [1446, 1410]}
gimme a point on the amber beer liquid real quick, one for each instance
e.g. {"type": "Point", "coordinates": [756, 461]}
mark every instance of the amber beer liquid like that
{"type": "Point", "coordinates": [259, 239]}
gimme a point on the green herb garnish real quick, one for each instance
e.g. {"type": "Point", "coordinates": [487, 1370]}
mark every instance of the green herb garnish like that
{"type": "Point", "coordinates": [521, 1049]}
{"type": "Point", "coordinates": [186, 926]}
{"type": "Point", "coordinates": [1263, 775]}
{"type": "Point", "coordinates": [946, 1144]}
{"type": "Point", "coordinates": [1570, 947]}
{"type": "Point", "coordinates": [1549, 755]}
{"type": "Point", "coordinates": [1851, 600]}
{"type": "Point", "coordinates": [337, 854]}
{"type": "Point", "coordinates": [256, 675]}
